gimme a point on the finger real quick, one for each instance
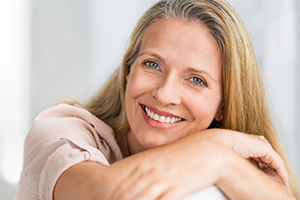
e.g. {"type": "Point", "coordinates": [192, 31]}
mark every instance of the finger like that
{"type": "Point", "coordinates": [254, 162]}
{"type": "Point", "coordinates": [282, 172]}
{"type": "Point", "coordinates": [274, 161]}
{"type": "Point", "coordinates": [274, 175]}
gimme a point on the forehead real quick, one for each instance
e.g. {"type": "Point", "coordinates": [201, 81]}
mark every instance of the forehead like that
{"type": "Point", "coordinates": [188, 43]}
{"type": "Point", "coordinates": [179, 27]}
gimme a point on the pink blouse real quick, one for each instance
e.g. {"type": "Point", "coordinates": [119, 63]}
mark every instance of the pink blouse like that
{"type": "Point", "coordinates": [60, 137]}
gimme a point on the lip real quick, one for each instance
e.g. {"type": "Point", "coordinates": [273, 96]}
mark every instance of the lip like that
{"type": "Point", "coordinates": [160, 113]}
{"type": "Point", "coordinates": [157, 124]}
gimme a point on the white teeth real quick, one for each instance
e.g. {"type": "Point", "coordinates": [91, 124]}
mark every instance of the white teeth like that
{"type": "Point", "coordinates": [168, 120]}
{"type": "Point", "coordinates": [152, 115]}
{"type": "Point", "coordinates": [161, 119]}
{"type": "Point", "coordinates": [172, 119]}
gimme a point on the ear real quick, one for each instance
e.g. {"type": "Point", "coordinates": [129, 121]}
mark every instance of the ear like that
{"type": "Point", "coordinates": [126, 81]}
{"type": "Point", "coordinates": [128, 73]}
{"type": "Point", "coordinates": [219, 114]}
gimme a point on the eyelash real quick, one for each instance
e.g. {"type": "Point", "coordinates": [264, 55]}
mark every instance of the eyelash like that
{"type": "Point", "coordinates": [148, 63]}
{"type": "Point", "coordinates": [199, 79]}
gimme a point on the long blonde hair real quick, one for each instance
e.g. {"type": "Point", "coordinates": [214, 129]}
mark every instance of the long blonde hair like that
{"type": "Point", "coordinates": [245, 106]}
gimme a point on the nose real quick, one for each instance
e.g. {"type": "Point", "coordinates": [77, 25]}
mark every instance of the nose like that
{"type": "Point", "coordinates": [168, 91]}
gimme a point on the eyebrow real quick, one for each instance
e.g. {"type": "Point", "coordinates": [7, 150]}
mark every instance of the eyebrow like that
{"type": "Point", "coordinates": [202, 72]}
{"type": "Point", "coordinates": [152, 54]}
{"type": "Point", "coordinates": [192, 69]}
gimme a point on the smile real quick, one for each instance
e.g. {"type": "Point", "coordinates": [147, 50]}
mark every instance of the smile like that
{"type": "Point", "coordinates": [161, 118]}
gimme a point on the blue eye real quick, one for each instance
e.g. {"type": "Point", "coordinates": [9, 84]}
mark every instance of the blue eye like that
{"type": "Point", "coordinates": [197, 81]}
{"type": "Point", "coordinates": [152, 64]}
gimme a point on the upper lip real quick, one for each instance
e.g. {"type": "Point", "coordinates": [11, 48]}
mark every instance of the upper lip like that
{"type": "Point", "coordinates": [159, 112]}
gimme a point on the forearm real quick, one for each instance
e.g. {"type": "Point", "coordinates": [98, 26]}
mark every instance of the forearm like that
{"type": "Point", "coordinates": [90, 180]}
{"type": "Point", "coordinates": [94, 180]}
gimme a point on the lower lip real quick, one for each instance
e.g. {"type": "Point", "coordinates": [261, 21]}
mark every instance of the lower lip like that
{"type": "Point", "coordinates": [157, 124]}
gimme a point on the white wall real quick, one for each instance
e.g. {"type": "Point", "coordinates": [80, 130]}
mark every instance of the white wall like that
{"type": "Point", "coordinates": [14, 86]}
{"type": "Point", "coordinates": [77, 45]}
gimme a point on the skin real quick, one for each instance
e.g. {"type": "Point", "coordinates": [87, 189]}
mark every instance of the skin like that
{"type": "Point", "coordinates": [190, 156]}
{"type": "Point", "coordinates": [177, 73]}
{"type": "Point", "coordinates": [133, 177]}
{"type": "Point", "coordinates": [221, 168]}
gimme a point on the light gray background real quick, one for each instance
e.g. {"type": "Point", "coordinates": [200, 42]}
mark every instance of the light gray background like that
{"type": "Point", "coordinates": [72, 46]}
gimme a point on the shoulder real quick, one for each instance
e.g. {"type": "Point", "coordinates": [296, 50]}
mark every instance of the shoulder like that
{"type": "Point", "coordinates": [71, 112]}
{"type": "Point", "coordinates": [59, 138]}
{"type": "Point", "coordinates": [72, 123]}
{"type": "Point", "coordinates": [64, 116]}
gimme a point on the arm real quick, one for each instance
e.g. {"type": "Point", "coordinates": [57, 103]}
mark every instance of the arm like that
{"type": "Point", "coordinates": [213, 165]}
{"type": "Point", "coordinates": [139, 173]}
{"type": "Point", "coordinates": [79, 180]}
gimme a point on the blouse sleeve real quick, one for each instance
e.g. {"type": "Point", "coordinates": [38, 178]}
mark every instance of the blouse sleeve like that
{"type": "Point", "coordinates": [58, 139]}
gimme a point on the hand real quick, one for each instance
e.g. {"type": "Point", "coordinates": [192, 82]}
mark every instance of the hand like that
{"type": "Point", "coordinates": [176, 174]}
{"type": "Point", "coordinates": [273, 174]}
{"type": "Point", "coordinates": [252, 147]}
{"type": "Point", "coordinates": [201, 163]}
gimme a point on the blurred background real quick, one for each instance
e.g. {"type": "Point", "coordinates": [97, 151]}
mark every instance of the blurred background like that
{"type": "Point", "coordinates": [54, 50]}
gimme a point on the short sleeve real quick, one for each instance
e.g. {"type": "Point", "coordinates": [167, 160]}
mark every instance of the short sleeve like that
{"type": "Point", "coordinates": [58, 139]}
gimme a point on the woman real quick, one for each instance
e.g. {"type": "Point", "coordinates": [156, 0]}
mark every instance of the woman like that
{"type": "Point", "coordinates": [187, 109]}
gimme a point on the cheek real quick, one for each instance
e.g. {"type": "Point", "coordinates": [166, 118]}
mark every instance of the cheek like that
{"type": "Point", "coordinates": [130, 105]}
{"type": "Point", "coordinates": [138, 83]}
{"type": "Point", "coordinates": [203, 106]}
{"type": "Point", "coordinates": [135, 90]}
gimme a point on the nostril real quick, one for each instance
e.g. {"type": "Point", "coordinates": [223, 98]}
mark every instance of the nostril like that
{"type": "Point", "coordinates": [167, 94]}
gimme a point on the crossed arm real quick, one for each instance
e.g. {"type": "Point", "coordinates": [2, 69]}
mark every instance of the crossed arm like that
{"type": "Point", "coordinates": [211, 157]}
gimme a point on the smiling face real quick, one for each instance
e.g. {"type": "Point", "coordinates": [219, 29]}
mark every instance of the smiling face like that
{"type": "Point", "coordinates": [174, 87]}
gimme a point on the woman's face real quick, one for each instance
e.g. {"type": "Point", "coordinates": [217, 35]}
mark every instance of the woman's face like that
{"type": "Point", "coordinates": [174, 87]}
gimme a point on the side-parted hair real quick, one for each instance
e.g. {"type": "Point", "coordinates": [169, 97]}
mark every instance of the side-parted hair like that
{"type": "Point", "coordinates": [245, 106]}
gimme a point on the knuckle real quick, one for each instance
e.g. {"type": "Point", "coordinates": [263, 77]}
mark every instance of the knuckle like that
{"type": "Point", "coordinates": [263, 138]}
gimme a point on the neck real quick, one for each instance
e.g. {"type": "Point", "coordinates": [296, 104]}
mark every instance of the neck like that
{"type": "Point", "coordinates": [134, 146]}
